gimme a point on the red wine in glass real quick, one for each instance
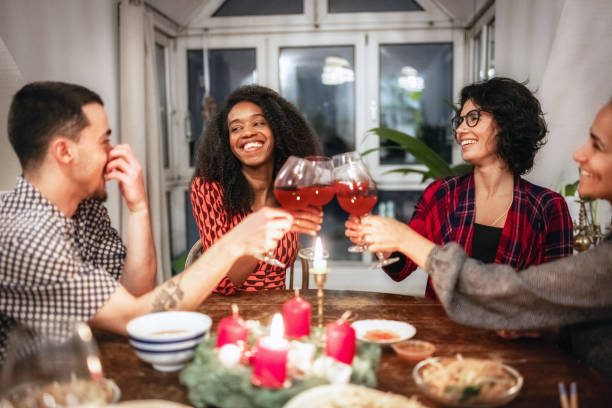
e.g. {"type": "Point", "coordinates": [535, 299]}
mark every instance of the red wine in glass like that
{"type": "Point", "coordinates": [293, 198]}
{"type": "Point", "coordinates": [321, 195]}
{"type": "Point", "coordinates": [320, 190]}
{"type": "Point", "coordinates": [356, 197]}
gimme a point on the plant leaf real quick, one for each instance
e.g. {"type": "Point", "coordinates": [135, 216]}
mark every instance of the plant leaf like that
{"type": "Point", "coordinates": [422, 153]}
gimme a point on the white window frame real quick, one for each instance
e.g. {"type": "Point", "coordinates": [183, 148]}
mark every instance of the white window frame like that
{"type": "Point", "coordinates": [480, 27]}
{"type": "Point", "coordinates": [398, 181]}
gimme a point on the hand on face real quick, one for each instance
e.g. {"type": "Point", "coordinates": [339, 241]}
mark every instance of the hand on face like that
{"type": "Point", "coordinates": [380, 234]}
{"type": "Point", "coordinates": [124, 167]}
{"type": "Point", "coordinates": [260, 231]}
{"type": "Point", "coordinates": [307, 221]}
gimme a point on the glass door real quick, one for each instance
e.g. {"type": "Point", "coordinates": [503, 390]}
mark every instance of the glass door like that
{"type": "Point", "coordinates": [213, 69]}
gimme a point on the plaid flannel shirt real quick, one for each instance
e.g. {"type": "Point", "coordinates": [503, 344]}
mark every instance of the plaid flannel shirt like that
{"type": "Point", "coordinates": [53, 269]}
{"type": "Point", "coordinates": [538, 226]}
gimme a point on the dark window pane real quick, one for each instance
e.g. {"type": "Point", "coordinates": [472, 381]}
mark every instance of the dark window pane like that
{"type": "Point", "coordinates": [416, 85]}
{"type": "Point", "coordinates": [229, 69]}
{"type": "Point", "coordinates": [362, 6]}
{"type": "Point", "coordinates": [397, 204]}
{"type": "Point", "coordinates": [320, 82]}
{"type": "Point", "coordinates": [233, 8]}
{"type": "Point", "coordinates": [160, 58]}
{"type": "Point", "coordinates": [196, 89]}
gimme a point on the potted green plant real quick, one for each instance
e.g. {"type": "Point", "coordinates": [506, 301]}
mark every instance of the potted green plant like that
{"type": "Point", "coordinates": [436, 166]}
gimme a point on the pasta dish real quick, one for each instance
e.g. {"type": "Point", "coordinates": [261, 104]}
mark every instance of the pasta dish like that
{"type": "Point", "coordinates": [468, 380]}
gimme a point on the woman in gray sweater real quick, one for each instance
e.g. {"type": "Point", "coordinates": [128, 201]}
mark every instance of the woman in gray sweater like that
{"type": "Point", "coordinates": [574, 292]}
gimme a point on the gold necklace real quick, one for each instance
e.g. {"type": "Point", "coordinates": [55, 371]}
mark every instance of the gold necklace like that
{"type": "Point", "coordinates": [501, 215]}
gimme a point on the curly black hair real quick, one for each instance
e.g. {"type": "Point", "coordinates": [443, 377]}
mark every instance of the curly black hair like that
{"type": "Point", "coordinates": [519, 118]}
{"type": "Point", "coordinates": [216, 162]}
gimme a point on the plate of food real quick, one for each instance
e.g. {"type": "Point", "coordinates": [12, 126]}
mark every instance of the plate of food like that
{"type": "Point", "coordinates": [383, 331]}
{"type": "Point", "coordinates": [467, 382]}
{"type": "Point", "coordinates": [349, 395]}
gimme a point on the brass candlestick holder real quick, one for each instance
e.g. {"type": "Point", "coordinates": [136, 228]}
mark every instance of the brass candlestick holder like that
{"type": "Point", "coordinates": [320, 279]}
{"type": "Point", "coordinates": [587, 232]}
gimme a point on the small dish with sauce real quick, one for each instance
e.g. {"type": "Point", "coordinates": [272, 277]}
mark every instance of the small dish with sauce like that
{"type": "Point", "coordinates": [414, 350]}
{"type": "Point", "coordinates": [383, 331]}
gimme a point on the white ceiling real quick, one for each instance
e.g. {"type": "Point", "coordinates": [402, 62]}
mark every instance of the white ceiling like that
{"type": "Point", "coordinates": [180, 11]}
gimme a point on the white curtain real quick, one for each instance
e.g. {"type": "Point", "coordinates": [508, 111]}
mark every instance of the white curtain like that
{"type": "Point", "coordinates": [563, 49]}
{"type": "Point", "coordinates": [140, 121]}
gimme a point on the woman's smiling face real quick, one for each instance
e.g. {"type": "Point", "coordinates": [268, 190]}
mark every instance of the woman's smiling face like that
{"type": "Point", "coordinates": [595, 158]}
{"type": "Point", "coordinates": [251, 139]}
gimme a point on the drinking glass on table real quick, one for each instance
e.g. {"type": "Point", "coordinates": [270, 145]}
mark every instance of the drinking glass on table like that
{"type": "Point", "coordinates": [59, 367]}
{"type": "Point", "coordinates": [321, 191]}
{"type": "Point", "coordinates": [356, 193]}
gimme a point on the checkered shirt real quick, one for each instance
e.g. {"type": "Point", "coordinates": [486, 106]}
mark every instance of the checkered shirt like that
{"type": "Point", "coordinates": [53, 269]}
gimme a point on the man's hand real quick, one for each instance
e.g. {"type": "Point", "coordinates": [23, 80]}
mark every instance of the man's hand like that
{"type": "Point", "coordinates": [260, 231]}
{"type": "Point", "coordinates": [124, 167]}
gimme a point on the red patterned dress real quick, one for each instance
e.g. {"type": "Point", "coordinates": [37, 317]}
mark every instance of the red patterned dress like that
{"type": "Point", "coordinates": [213, 222]}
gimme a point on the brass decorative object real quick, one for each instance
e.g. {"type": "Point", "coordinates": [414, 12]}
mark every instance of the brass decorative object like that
{"type": "Point", "coordinates": [320, 279]}
{"type": "Point", "coordinates": [587, 232]}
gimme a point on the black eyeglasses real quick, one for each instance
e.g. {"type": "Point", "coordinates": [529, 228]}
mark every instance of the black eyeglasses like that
{"type": "Point", "coordinates": [471, 119]}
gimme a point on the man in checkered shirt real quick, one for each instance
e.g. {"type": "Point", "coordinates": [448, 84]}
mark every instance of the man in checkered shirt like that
{"type": "Point", "coordinates": [60, 259]}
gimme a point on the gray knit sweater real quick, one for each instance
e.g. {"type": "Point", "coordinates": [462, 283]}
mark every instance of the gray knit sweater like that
{"type": "Point", "coordinates": [567, 291]}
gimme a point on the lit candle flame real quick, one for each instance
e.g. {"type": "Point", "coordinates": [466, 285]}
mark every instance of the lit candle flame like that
{"type": "Point", "coordinates": [277, 328]}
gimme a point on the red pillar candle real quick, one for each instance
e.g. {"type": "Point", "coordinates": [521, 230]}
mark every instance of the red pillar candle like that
{"type": "Point", "coordinates": [296, 316]}
{"type": "Point", "coordinates": [232, 329]}
{"type": "Point", "coordinates": [270, 365]}
{"type": "Point", "coordinates": [340, 340]}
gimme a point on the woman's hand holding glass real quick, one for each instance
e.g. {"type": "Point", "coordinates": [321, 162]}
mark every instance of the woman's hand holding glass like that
{"type": "Point", "coordinates": [381, 235]}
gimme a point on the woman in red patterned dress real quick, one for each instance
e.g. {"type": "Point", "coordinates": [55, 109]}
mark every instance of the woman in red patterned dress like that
{"type": "Point", "coordinates": [238, 158]}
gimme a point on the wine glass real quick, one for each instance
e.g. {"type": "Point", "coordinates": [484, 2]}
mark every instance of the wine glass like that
{"type": "Point", "coordinates": [356, 193]}
{"type": "Point", "coordinates": [291, 191]}
{"type": "Point", "coordinates": [58, 367]}
{"type": "Point", "coordinates": [322, 191]}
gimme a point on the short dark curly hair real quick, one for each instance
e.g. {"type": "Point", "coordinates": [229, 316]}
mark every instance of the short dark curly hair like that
{"type": "Point", "coordinates": [216, 162]}
{"type": "Point", "coordinates": [519, 118]}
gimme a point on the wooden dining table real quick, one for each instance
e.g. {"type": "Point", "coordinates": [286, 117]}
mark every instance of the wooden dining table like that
{"type": "Point", "coordinates": [541, 362]}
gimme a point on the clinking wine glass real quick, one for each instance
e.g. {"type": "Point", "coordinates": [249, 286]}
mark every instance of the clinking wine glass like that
{"type": "Point", "coordinates": [58, 367]}
{"type": "Point", "coordinates": [322, 191]}
{"type": "Point", "coordinates": [291, 186]}
{"type": "Point", "coordinates": [356, 193]}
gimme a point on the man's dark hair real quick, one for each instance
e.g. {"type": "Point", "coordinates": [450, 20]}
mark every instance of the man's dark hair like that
{"type": "Point", "coordinates": [216, 162]}
{"type": "Point", "coordinates": [42, 110]}
{"type": "Point", "coordinates": [519, 118]}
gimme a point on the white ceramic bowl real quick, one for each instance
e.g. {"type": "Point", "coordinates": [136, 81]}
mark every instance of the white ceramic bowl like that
{"type": "Point", "coordinates": [167, 340]}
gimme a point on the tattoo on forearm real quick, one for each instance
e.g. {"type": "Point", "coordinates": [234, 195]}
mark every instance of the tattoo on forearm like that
{"type": "Point", "coordinates": [169, 296]}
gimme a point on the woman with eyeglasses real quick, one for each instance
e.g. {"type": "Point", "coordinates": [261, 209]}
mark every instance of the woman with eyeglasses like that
{"type": "Point", "coordinates": [492, 212]}
{"type": "Point", "coordinates": [575, 292]}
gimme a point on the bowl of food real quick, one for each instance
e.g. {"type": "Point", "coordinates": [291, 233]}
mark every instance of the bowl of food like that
{"type": "Point", "coordinates": [467, 382]}
{"type": "Point", "coordinates": [414, 350]}
{"type": "Point", "coordinates": [167, 339]}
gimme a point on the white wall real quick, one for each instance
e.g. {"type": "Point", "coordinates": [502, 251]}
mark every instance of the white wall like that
{"type": "Point", "coordinates": [63, 40]}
